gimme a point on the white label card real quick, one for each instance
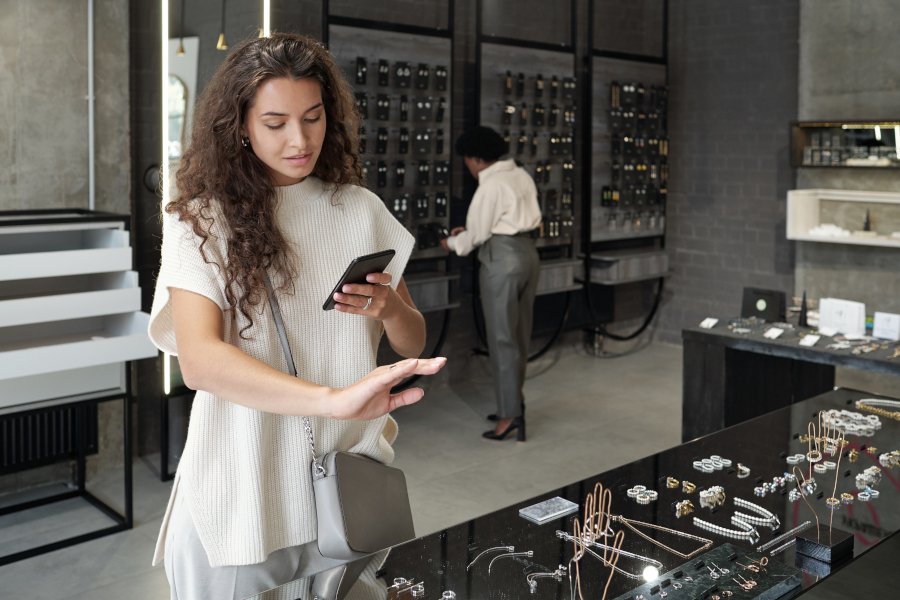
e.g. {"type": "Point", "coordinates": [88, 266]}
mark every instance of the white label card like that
{"type": "Point", "coordinates": [708, 323]}
{"type": "Point", "coordinates": [828, 331]}
{"type": "Point", "coordinates": [886, 326]}
{"type": "Point", "coordinates": [810, 340]}
{"type": "Point", "coordinates": [773, 333]}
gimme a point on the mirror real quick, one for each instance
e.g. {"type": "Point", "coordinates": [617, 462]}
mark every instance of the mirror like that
{"type": "Point", "coordinates": [191, 52]}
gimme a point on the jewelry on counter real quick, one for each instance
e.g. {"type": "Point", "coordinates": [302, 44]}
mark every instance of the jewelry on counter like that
{"type": "Point", "coordinates": [687, 487]}
{"type": "Point", "coordinates": [879, 407]}
{"type": "Point", "coordinates": [847, 498]}
{"type": "Point", "coordinates": [889, 460]}
{"type": "Point", "coordinates": [813, 456]}
{"type": "Point", "coordinates": [853, 455]}
{"type": "Point", "coordinates": [863, 496]}
{"type": "Point", "coordinates": [713, 463]}
{"type": "Point", "coordinates": [633, 525]}
{"type": "Point", "coordinates": [746, 585]}
{"type": "Point", "coordinates": [745, 531]}
{"type": "Point", "coordinates": [832, 503]}
{"type": "Point", "coordinates": [787, 534]}
{"type": "Point", "coordinates": [527, 554]}
{"type": "Point", "coordinates": [820, 468]}
{"type": "Point", "coordinates": [494, 549]}
{"type": "Point", "coordinates": [870, 478]}
{"type": "Point", "coordinates": [720, 569]}
{"type": "Point", "coordinates": [712, 497]}
{"type": "Point", "coordinates": [871, 450]}
{"type": "Point", "coordinates": [795, 459]}
{"type": "Point", "coordinates": [532, 577]}
{"type": "Point", "coordinates": [618, 551]}
{"type": "Point", "coordinates": [672, 483]}
{"type": "Point", "coordinates": [642, 495]}
{"type": "Point", "coordinates": [742, 471]}
{"type": "Point", "coordinates": [783, 547]}
{"type": "Point", "coordinates": [852, 423]}
{"type": "Point", "coordinates": [829, 465]}
{"type": "Point", "coordinates": [633, 492]}
{"type": "Point", "coordinates": [683, 508]}
{"type": "Point", "coordinates": [766, 518]}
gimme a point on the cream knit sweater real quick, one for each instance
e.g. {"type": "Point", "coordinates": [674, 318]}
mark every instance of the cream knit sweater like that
{"type": "Point", "coordinates": [245, 473]}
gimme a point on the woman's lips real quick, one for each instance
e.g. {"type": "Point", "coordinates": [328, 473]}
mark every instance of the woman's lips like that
{"type": "Point", "coordinates": [299, 160]}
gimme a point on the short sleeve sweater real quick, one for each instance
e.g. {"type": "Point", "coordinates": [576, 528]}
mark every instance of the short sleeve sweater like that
{"type": "Point", "coordinates": [245, 473]}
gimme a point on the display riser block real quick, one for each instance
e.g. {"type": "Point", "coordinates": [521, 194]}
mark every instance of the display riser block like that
{"type": "Point", "coordinates": [778, 581]}
{"type": "Point", "coordinates": [832, 546]}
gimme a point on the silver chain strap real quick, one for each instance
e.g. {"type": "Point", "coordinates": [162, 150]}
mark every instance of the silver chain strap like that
{"type": "Point", "coordinates": [282, 336]}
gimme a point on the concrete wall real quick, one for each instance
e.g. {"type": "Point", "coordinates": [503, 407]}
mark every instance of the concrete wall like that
{"type": "Point", "coordinates": [849, 68]}
{"type": "Point", "coordinates": [44, 116]}
{"type": "Point", "coordinates": [733, 92]}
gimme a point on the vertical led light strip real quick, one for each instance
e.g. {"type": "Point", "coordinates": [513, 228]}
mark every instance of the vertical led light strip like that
{"type": "Point", "coordinates": [267, 18]}
{"type": "Point", "coordinates": [164, 158]}
{"type": "Point", "coordinates": [897, 140]}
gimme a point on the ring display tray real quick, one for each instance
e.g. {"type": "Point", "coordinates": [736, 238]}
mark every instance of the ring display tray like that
{"type": "Point", "coordinates": [776, 582]}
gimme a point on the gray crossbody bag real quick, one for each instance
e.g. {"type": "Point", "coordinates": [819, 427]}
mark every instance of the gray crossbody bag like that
{"type": "Point", "coordinates": [362, 505]}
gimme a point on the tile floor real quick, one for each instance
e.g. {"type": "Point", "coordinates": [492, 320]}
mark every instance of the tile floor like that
{"type": "Point", "coordinates": [583, 415]}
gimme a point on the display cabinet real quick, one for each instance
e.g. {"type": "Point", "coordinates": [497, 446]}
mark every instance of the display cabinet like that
{"type": "Point", "coordinates": [854, 144]}
{"type": "Point", "coordinates": [70, 321]}
{"type": "Point", "coordinates": [402, 81]}
{"type": "Point", "coordinates": [859, 218]}
{"type": "Point", "coordinates": [529, 93]}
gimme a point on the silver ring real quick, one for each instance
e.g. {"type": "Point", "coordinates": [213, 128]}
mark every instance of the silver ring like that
{"type": "Point", "coordinates": [368, 303]}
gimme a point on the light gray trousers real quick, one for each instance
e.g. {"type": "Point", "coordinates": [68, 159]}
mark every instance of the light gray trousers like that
{"type": "Point", "coordinates": [294, 569]}
{"type": "Point", "coordinates": [508, 278]}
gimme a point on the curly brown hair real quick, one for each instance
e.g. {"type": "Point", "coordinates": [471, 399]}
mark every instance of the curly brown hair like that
{"type": "Point", "coordinates": [216, 167]}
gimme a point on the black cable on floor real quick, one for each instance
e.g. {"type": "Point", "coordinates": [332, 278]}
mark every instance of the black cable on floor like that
{"type": "Point", "coordinates": [478, 316]}
{"type": "Point", "coordinates": [439, 344]}
{"type": "Point", "coordinates": [600, 327]}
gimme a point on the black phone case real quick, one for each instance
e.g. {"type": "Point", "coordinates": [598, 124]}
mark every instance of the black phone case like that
{"type": "Point", "coordinates": [357, 270]}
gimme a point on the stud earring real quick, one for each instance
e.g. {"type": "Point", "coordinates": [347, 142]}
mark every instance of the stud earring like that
{"type": "Point", "coordinates": [245, 142]}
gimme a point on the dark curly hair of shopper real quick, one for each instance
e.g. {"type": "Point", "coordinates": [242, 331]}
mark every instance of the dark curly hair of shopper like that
{"type": "Point", "coordinates": [217, 168]}
{"type": "Point", "coordinates": [481, 142]}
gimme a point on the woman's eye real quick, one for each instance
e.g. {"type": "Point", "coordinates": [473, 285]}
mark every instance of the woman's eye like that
{"type": "Point", "coordinates": [313, 119]}
{"type": "Point", "coordinates": [275, 126]}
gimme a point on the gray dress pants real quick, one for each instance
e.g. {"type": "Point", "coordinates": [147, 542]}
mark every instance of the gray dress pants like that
{"type": "Point", "coordinates": [508, 278]}
{"type": "Point", "coordinates": [296, 573]}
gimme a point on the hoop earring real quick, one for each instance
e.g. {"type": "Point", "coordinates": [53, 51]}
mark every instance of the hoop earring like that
{"type": "Point", "coordinates": [245, 142]}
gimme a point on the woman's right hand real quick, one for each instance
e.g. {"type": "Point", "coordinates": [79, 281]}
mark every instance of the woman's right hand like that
{"type": "Point", "coordinates": [370, 397]}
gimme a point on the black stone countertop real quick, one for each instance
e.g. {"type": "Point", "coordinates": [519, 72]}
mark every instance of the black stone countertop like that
{"type": "Point", "coordinates": [439, 560]}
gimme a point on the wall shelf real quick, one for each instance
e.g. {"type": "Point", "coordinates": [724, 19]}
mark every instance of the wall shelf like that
{"type": "Point", "coordinates": [845, 144]}
{"type": "Point", "coordinates": [809, 209]}
{"type": "Point", "coordinates": [70, 321]}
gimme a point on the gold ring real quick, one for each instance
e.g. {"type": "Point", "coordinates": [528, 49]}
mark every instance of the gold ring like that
{"type": "Point", "coordinates": [368, 303]}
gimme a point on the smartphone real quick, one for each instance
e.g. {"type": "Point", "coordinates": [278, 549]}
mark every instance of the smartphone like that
{"type": "Point", "coordinates": [357, 270]}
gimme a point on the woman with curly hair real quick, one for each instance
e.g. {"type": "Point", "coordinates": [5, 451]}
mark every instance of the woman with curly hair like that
{"type": "Point", "coordinates": [270, 185]}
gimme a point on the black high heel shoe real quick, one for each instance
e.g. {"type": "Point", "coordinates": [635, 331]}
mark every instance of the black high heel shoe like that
{"type": "Point", "coordinates": [517, 425]}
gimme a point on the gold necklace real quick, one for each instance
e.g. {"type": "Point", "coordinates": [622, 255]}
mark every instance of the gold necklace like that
{"type": "Point", "coordinates": [631, 524]}
{"type": "Point", "coordinates": [873, 405]}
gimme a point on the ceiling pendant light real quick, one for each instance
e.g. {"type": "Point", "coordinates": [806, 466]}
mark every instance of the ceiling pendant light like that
{"type": "Point", "coordinates": [180, 50]}
{"type": "Point", "coordinates": [221, 44]}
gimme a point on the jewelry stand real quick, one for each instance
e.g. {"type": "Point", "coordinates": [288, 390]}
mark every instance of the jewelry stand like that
{"type": "Point", "coordinates": [838, 547]}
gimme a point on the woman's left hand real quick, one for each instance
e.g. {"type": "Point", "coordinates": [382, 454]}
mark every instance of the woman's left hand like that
{"type": "Point", "coordinates": [375, 299]}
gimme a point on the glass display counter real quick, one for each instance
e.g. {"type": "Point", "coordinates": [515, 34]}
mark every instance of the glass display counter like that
{"type": "Point", "coordinates": [739, 470]}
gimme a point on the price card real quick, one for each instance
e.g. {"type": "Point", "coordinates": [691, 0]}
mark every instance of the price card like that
{"type": "Point", "coordinates": [773, 333]}
{"type": "Point", "coordinates": [810, 340]}
{"type": "Point", "coordinates": [708, 323]}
